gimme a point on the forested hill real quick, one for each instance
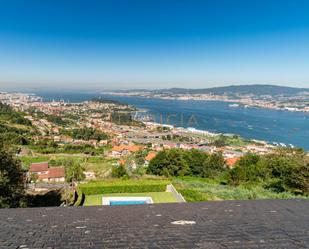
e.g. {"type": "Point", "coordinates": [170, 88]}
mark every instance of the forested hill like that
{"type": "Point", "coordinates": [14, 128]}
{"type": "Point", "coordinates": [239, 89]}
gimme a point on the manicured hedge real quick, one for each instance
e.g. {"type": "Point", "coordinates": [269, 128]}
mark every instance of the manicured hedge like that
{"type": "Point", "coordinates": [123, 186]}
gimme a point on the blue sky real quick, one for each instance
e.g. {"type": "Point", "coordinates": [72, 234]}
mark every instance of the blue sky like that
{"type": "Point", "coordinates": [107, 44]}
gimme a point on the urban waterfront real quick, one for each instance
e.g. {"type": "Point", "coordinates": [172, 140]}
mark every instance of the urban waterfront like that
{"type": "Point", "coordinates": [262, 124]}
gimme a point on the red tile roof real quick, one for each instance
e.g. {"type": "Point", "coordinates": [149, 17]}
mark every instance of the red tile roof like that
{"type": "Point", "coordinates": [122, 147]}
{"type": "Point", "coordinates": [230, 162]}
{"type": "Point", "coordinates": [150, 156]}
{"type": "Point", "coordinates": [56, 172]}
{"type": "Point", "coordinates": [38, 167]}
{"type": "Point", "coordinates": [134, 148]}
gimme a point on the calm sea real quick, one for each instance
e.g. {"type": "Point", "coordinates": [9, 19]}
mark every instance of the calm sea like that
{"type": "Point", "coordinates": [263, 124]}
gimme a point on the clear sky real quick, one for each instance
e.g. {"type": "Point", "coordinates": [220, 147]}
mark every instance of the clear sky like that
{"type": "Point", "coordinates": [107, 44]}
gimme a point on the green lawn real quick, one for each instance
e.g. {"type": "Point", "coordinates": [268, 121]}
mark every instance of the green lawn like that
{"type": "Point", "coordinates": [27, 160]}
{"type": "Point", "coordinates": [157, 197]}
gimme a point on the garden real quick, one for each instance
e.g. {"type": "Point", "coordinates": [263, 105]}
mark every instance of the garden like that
{"type": "Point", "coordinates": [156, 189]}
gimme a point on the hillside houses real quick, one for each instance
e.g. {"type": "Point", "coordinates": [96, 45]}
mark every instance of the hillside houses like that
{"type": "Point", "coordinates": [45, 173]}
{"type": "Point", "coordinates": [123, 149]}
{"type": "Point", "coordinates": [151, 155]}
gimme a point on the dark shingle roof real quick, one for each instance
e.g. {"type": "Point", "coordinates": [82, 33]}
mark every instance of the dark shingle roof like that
{"type": "Point", "coordinates": [227, 224]}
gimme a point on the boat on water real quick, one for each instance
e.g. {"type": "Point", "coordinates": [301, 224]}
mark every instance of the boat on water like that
{"type": "Point", "coordinates": [234, 105]}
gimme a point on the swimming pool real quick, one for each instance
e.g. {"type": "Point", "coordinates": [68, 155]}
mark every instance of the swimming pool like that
{"type": "Point", "coordinates": [125, 200]}
{"type": "Point", "coordinates": [121, 203]}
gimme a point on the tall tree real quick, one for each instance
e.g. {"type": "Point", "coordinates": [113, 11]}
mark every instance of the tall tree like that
{"type": "Point", "coordinates": [11, 180]}
{"type": "Point", "coordinates": [73, 170]}
{"type": "Point", "coordinates": [214, 165]}
{"type": "Point", "coordinates": [196, 160]}
{"type": "Point", "coordinates": [169, 163]}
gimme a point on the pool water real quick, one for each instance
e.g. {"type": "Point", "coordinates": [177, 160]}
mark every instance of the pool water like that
{"type": "Point", "coordinates": [121, 203]}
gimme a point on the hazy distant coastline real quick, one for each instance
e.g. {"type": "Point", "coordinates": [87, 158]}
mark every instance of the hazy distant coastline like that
{"type": "Point", "coordinates": [259, 96]}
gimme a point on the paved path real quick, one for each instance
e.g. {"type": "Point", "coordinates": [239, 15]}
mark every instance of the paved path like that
{"type": "Point", "coordinates": [226, 224]}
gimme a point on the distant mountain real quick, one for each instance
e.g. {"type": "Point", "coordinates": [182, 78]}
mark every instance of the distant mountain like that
{"type": "Point", "coordinates": [238, 89]}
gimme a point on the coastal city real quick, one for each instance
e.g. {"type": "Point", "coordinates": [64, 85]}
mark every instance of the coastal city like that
{"type": "Point", "coordinates": [159, 124]}
{"type": "Point", "coordinates": [154, 124]}
{"type": "Point", "coordinates": [54, 120]}
{"type": "Point", "coordinates": [287, 102]}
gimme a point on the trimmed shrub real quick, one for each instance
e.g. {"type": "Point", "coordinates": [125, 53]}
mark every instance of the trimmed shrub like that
{"type": "Point", "coordinates": [124, 186]}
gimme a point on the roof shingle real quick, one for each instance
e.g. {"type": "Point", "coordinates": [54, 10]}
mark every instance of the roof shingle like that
{"type": "Point", "coordinates": [38, 167]}
{"type": "Point", "coordinates": [217, 224]}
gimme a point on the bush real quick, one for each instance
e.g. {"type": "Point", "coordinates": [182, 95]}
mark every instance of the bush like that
{"type": "Point", "coordinates": [192, 195]}
{"type": "Point", "coordinates": [119, 171]}
{"type": "Point", "coordinates": [124, 186]}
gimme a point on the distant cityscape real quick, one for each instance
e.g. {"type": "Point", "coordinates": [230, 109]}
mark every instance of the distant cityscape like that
{"type": "Point", "coordinates": [278, 98]}
{"type": "Point", "coordinates": [154, 124]}
{"type": "Point", "coordinates": [53, 120]}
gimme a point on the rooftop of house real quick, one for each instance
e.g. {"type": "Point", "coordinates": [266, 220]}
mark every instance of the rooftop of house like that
{"type": "Point", "coordinates": [54, 172]}
{"type": "Point", "coordinates": [232, 161]}
{"type": "Point", "coordinates": [38, 167]}
{"type": "Point", "coordinates": [150, 156]}
{"type": "Point", "coordinates": [217, 224]}
{"type": "Point", "coordinates": [122, 147]}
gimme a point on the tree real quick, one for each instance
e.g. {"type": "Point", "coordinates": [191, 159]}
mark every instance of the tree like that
{"type": "Point", "coordinates": [140, 157]}
{"type": "Point", "coordinates": [289, 170]}
{"type": "Point", "coordinates": [220, 141]}
{"type": "Point", "coordinates": [250, 168]}
{"type": "Point", "coordinates": [119, 171]}
{"type": "Point", "coordinates": [298, 180]}
{"type": "Point", "coordinates": [11, 180]}
{"type": "Point", "coordinates": [214, 165]}
{"type": "Point", "coordinates": [196, 160]}
{"type": "Point", "coordinates": [282, 170]}
{"type": "Point", "coordinates": [169, 163]}
{"type": "Point", "coordinates": [73, 170]}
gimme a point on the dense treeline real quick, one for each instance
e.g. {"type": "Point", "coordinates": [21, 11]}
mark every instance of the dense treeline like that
{"type": "Point", "coordinates": [9, 115]}
{"type": "Point", "coordinates": [51, 118]}
{"type": "Point", "coordinates": [86, 134]}
{"type": "Point", "coordinates": [285, 170]}
{"type": "Point", "coordinates": [11, 180]}
{"type": "Point", "coordinates": [13, 135]}
{"type": "Point", "coordinates": [178, 162]}
{"type": "Point", "coordinates": [14, 128]}
{"type": "Point", "coordinates": [46, 146]}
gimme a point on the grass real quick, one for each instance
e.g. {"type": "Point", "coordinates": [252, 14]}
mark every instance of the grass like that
{"type": "Point", "coordinates": [99, 165]}
{"type": "Point", "coordinates": [27, 160]}
{"type": "Point", "coordinates": [123, 186]}
{"type": "Point", "coordinates": [204, 189]}
{"type": "Point", "coordinates": [157, 197]}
